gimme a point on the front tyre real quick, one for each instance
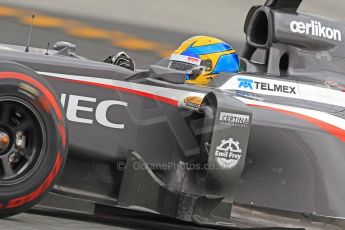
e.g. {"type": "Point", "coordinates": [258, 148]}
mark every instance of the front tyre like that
{"type": "Point", "coordinates": [33, 144]}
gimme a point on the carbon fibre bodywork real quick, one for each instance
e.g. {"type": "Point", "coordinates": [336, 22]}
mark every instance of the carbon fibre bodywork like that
{"type": "Point", "coordinates": [295, 108]}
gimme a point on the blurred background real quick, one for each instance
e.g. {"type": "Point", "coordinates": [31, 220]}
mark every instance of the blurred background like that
{"type": "Point", "coordinates": [147, 29]}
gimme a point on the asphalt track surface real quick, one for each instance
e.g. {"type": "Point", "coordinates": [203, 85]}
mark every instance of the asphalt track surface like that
{"type": "Point", "coordinates": [147, 32]}
{"type": "Point", "coordinates": [32, 221]}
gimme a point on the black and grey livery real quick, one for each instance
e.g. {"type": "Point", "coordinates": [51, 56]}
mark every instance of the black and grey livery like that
{"type": "Point", "coordinates": [269, 140]}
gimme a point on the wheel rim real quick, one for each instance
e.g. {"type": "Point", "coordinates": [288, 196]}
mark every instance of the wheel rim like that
{"type": "Point", "coordinates": [22, 140]}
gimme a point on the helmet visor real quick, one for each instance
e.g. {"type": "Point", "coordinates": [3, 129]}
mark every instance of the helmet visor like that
{"type": "Point", "coordinates": [187, 63]}
{"type": "Point", "coordinates": [182, 66]}
{"type": "Point", "coordinates": [183, 63]}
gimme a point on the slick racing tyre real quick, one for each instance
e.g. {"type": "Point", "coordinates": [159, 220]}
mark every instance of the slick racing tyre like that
{"type": "Point", "coordinates": [33, 144]}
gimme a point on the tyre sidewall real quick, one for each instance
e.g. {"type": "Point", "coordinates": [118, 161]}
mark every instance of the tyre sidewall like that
{"type": "Point", "coordinates": [21, 196]}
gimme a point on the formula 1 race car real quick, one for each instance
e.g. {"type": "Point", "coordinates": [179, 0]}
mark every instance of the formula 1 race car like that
{"type": "Point", "coordinates": [267, 143]}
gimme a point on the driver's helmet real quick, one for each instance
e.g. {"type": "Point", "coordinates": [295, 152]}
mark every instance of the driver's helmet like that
{"type": "Point", "coordinates": [204, 57]}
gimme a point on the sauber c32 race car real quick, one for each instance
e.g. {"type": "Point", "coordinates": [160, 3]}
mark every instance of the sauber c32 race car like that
{"type": "Point", "coordinates": [268, 142]}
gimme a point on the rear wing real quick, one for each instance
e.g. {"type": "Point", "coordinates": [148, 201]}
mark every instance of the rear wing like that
{"type": "Point", "coordinates": [277, 27]}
